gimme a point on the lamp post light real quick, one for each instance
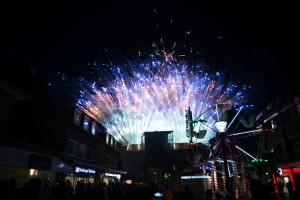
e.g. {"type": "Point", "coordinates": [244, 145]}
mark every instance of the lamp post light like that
{"type": "Point", "coordinates": [221, 127]}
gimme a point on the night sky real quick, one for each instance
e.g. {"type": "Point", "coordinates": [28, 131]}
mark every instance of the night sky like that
{"type": "Point", "coordinates": [254, 43]}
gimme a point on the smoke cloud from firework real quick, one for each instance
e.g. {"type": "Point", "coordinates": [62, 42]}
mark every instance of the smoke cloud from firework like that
{"type": "Point", "coordinates": [152, 93]}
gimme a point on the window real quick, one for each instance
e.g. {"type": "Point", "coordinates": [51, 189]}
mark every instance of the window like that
{"type": "Point", "coordinates": [72, 147]}
{"type": "Point", "coordinates": [170, 138]}
{"type": "Point", "coordinates": [107, 138]}
{"type": "Point", "coordinates": [86, 123]}
{"type": "Point", "coordinates": [82, 151]}
{"type": "Point", "coordinates": [77, 117]}
{"type": "Point", "coordinates": [112, 140]}
{"type": "Point", "coordinates": [90, 154]}
{"type": "Point", "coordinates": [93, 130]}
{"type": "Point", "coordinates": [273, 123]}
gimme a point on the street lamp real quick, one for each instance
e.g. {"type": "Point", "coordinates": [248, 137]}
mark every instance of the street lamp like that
{"type": "Point", "coordinates": [221, 125]}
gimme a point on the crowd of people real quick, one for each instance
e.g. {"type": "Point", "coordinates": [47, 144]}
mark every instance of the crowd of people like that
{"type": "Point", "coordinates": [39, 189]}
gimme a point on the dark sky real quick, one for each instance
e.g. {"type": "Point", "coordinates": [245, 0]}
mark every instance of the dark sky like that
{"type": "Point", "coordinates": [254, 42]}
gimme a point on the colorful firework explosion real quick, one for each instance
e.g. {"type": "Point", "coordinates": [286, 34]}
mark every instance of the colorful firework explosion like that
{"type": "Point", "coordinates": [152, 94]}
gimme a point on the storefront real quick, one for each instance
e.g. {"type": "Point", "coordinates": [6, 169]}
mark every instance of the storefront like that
{"type": "Point", "coordinates": [81, 174]}
{"type": "Point", "coordinates": [110, 178]}
{"type": "Point", "coordinates": [110, 175]}
{"type": "Point", "coordinates": [22, 165]}
{"type": "Point", "coordinates": [289, 175]}
{"type": "Point", "coordinates": [91, 172]}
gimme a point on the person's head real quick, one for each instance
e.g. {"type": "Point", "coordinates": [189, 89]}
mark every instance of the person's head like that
{"type": "Point", "coordinates": [256, 187]}
{"type": "Point", "coordinates": [219, 195]}
{"type": "Point", "coordinates": [209, 194]}
{"type": "Point", "coordinates": [36, 185]}
{"type": "Point", "coordinates": [228, 196]}
{"type": "Point", "coordinates": [4, 183]}
{"type": "Point", "coordinates": [62, 196]}
{"type": "Point", "coordinates": [187, 188]}
{"type": "Point", "coordinates": [13, 182]}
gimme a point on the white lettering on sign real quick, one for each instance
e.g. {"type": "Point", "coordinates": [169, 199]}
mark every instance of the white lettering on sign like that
{"type": "Point", "coordinates": [118, 176]}
{"type": "Point", "coordinates": [83, 170]}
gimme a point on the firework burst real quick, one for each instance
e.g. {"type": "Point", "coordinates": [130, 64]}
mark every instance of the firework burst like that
{"type": "Point", "coordinates": [152, 94]}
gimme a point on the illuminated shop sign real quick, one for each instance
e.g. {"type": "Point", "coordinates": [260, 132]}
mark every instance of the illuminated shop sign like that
{"type": "Point", "coordinates": [118, 176]}
{"type": "Point", "coordinates": [195, 177]}
{"type": "Point", "coordinates": [84, 170]}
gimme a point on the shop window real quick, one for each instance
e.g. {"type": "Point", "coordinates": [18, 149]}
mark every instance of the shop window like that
{"type": "Point", "coordinates": [33, 172]}
{"type": "Point", "coordinates": [82, 151]}
{"type": "Point", "coordinates": [72, 147]}
{"type": "Point", "coordinates": [86, 123]}
{"type": "Point", "coordinates": [77, 117]}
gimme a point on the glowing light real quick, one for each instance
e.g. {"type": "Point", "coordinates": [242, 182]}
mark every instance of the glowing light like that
{"type": "Point", "coordinates": [152, 94]}
{"type": "Point", "coordinates": [245, 152]}
{"type": "Point", "coordinates": [221, 126]}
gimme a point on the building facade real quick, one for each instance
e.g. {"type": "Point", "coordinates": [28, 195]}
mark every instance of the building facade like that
{"type": "Point", "coordinates": [43, 136]}
{"type": "Point", "coordinates": [282, 116]}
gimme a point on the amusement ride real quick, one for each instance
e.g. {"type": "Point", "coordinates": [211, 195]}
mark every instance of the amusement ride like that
{"type": "Point", "coordinates": [227, 160]}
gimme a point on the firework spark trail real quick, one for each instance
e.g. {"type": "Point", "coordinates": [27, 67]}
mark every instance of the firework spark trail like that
{"type": "Point", "coordinates": [152, 95]}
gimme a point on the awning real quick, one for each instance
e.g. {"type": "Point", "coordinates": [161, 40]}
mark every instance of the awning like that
{"type": "Point", "coordinates": [60, 166]}
{"type": "Point", "coordinates": [111, 170]}
{"type": "Point", "coordinates": [13, 157]}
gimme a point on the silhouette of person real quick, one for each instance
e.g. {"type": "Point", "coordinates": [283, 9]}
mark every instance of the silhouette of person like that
{"type": "Point", "coordinates": [209, 194]}
{"type": "Point", "coordinates": [257, 190]}
{"type": "Point", "coordinates": [186, 194]}
{"type": "Point", "coordinates": [289, 186]}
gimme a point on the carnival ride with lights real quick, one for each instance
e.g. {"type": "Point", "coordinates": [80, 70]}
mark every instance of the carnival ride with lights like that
{"type": "Point", "coordinates": [227, 160]}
